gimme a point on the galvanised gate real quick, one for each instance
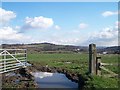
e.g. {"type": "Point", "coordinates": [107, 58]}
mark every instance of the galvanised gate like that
{"type": "Point", "coordinates": [12, 59]}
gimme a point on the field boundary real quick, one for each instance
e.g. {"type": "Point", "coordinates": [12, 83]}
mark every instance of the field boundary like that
{"type": "Point", "coordinates": [95, 64]}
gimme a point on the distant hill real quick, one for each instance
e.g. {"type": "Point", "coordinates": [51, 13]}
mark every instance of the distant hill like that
{"type": "Point", "coordinates": [113, 50]}
{"type": "Point", "coordinates": [49, 47]}
{"type": "Point", "coordinates": [39, 47]}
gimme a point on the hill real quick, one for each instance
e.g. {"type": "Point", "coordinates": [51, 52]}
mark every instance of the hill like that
{"type": "Point", "coordinates": [48, 47]}
{"type": "Point", "coordinates": [51, 48]}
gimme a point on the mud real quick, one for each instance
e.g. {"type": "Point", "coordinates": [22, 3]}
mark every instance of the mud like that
{"type": "Point", "coordinates": [18, 79]}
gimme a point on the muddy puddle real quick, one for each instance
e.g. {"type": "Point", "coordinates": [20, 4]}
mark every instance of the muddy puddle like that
{"type": "Point", "coordinates": [53, 80]}
{"type": "Point", "coordinates": [33, 77]}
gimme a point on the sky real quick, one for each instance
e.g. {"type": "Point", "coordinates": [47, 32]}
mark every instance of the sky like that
{"type": "Point", "coordinates": [66, 23]}
{"type": "Point", "coordinates": [60, 0]}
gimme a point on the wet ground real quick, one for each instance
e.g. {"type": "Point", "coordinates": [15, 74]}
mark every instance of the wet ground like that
{"type": "Point", "coordinates": [40, 77]}
{"type": "Point", "coordinates": [18, 79]}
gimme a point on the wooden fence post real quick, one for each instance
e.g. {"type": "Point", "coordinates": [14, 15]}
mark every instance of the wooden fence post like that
{"type": "Point", "coordinates": [92, 59]}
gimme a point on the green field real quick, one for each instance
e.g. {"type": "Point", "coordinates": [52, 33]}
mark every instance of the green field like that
{"type": "Point", "coordinates": [78, 63]}
{"type": "Point", "coordinates": [73, 62]}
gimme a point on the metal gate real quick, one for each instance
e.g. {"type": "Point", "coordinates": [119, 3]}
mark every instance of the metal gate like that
{"type": "Point", "coordinates": [12, 59]}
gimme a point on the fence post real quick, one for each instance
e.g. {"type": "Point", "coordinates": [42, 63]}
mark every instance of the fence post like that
{"type": "Point", "coordinates": [92, 59]}
{"type": "Point", "coordinates": [98, 64]}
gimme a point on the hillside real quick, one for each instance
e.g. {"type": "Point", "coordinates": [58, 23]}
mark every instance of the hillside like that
{"type": "Point", "coordinates": [39, 47]}
{"type": "Point", "coordinates": [49, 47]}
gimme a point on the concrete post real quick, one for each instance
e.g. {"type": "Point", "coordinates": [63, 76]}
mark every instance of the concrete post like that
{"type": "Point", "coordinates": [92, 59]}
{"type": "Point", "coordinates": [98, 64]}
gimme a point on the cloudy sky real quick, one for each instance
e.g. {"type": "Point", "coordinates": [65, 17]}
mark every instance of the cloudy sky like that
{"type": "Point", "coordinates": [79, 23]}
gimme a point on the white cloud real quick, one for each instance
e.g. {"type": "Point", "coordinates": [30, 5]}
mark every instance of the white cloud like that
{"type": "Point", "coordinates": [106, 33]}
{"type": "Point", "coordinates": [109, 13]}
{"type": "Point", "coordinates": [65, 38]}
{"type": "Point", "coordinates": [9, 35]}
{"type": "Point", "coordinates": [106, 37]}
{"type": "Point", "coordinates": [117, 24]}
{"type": "Point", "coordinates": [38, 23]}
{"type": "Point", "coordinates": [83, 25]}
{"type": "Point", "coordinates": [64, 41]}
{"type": "Point", "coordinates": [57, 27]}
{"type": "Point", "coordinates": [6, 16]}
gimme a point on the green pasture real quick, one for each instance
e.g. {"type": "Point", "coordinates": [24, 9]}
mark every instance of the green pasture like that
{"type": "Point", "coordinates": [74, 62]}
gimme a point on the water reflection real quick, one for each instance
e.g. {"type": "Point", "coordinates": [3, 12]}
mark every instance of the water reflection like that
{"type": "Point", "coordinates": [53, 80]}
{"type": "Point", "coordinates": [42, 74]}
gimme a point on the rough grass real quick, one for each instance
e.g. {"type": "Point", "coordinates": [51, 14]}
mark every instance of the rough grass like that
{"type": "Point", "coordinates": [112, 59]}
{"type": "Point", "coordinates": [102, 82]}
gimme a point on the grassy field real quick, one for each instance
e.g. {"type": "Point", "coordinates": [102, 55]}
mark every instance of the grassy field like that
{"type": "Point", "coordinates": [78, 63]}
{"type": "Point", "coordinates": [74, 62]}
